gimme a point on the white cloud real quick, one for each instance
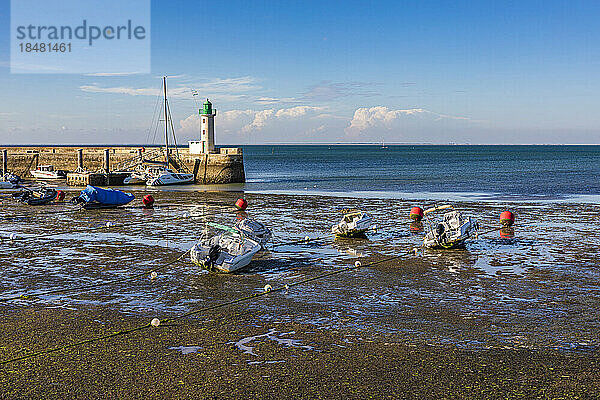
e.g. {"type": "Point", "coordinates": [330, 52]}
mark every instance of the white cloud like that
{"type": "Point", "coordinates": [264, 117]}
{"type": "Point", "coordinates": [276, 100]}
{"type": "Point", "coordinates": [114, 73]}
{"type": "Point", "coordinates": [224, 89]}
{"type": "Point", "coordinates": [122, 90]}
{"type": "Point", "coordinates": [228, 121]}
{"type": "Point", "coordinates": [383, 118]}
{"type": "Point", "coordinates": [282, 124]}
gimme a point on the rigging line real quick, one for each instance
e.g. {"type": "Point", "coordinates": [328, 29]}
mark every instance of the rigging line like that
{"type": "Point", "coordinates": [173, 132]}
{"type": "Point", "coordinates": [157, 122]}
{"type": "Point", "coordinates": [156, 103]}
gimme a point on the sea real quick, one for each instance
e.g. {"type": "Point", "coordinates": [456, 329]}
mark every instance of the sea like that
{"type": "Point", "coordinates": [454, 172]}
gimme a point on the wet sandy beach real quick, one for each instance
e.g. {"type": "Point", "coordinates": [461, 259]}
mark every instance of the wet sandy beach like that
{"type": "Point", "coordinates": [502, 317]}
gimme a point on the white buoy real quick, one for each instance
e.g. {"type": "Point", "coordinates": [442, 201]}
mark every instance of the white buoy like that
{"type": "Point", "coordinates": [155, 322]}
{"type": "Point", "coordinates": [268, 288]}
{"type": "Point", "coordinates": [357, 264]}
{"type": "Point", "coordinates": [109, 224]}
{"type": "Point", "coordinates": [185, 215]}
{"type": "Point", "coordinates": [12, 236]}
{"type": "Point", "coordinates": [416, 251]}
{"type": "Point", "coordinates": [307, 238]}
{"type": "Point", "coordinates": [287, 287]}
{"type": "Point", "coordinates": [153, 275]}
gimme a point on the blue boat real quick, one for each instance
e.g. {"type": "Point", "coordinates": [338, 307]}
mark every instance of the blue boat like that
{"type": "Point", "coordinates": [93, 197]}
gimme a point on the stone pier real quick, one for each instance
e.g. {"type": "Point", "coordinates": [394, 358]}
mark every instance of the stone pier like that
{"type": "Point", "coordinates": [222, 167]}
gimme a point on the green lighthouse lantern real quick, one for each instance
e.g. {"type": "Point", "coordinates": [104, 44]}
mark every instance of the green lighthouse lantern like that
{"type": "Point", "coordinates": [207, 110]}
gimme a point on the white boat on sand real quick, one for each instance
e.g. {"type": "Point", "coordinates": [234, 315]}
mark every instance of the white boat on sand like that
{"type": "Point", "coordinates": [452, 232]}
{"type": "Point", "coordinates": [227, 252]}
{"type": "Point", "coordinates": [353, 224]}
{"type": "Point", "coordinates": [254, 230]}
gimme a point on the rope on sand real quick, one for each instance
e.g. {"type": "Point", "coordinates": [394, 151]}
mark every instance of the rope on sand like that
{"type": "Point", "coordinates": [156, 322]}
{"type": "Point", "coordinates": [84, 288]}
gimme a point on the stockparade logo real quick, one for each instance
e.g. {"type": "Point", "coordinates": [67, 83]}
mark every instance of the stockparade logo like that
{"type": "Point", "coordinates": [111, 37]}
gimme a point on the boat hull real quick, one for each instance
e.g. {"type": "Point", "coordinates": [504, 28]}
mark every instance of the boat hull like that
{"type": "Point", "coordinates": [226, 262]}
{"type": "Point", "coordinates": [171, 179]}
{"type": "Point", "coordinates": [50, 176]}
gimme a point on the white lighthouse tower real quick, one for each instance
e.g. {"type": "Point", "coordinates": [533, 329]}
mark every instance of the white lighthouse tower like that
{"type": "Point", "coordinates": [206, 144]}
{"type": "Point", "coordinates": [207, 127]}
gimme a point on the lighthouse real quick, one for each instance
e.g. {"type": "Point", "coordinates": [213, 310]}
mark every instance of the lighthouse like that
{"type": "Point", "coordinates": [207, 127]}
{"type": "Point", "coordinates": [206, 145]}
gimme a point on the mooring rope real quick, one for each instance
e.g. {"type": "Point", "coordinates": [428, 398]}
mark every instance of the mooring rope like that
{"type": "Point", "coordinates": [14, 237]}
{"type": "Point", "coordinates": [84, 288]}
{"type": "Point", "coordinates": [155, 322]}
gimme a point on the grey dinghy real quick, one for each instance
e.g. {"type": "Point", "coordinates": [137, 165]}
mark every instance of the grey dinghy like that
{"type": "Point", "coordinates": [452, 232]}
{"type": "Point", "coordinates": [354, 224]}
{"type": "Point", "coordinates": [227, 252]}
{"type": "Point", "coordinates": [254, 230]}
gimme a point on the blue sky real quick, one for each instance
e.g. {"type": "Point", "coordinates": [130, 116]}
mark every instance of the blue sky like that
{"type": "Point", "coordinates": [312, 72]}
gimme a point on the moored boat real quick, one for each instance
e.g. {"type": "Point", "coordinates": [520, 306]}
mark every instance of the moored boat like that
{"type": "Point", "coordinates": [353, 224]}
{"type": "Point", "coordinates": [254, 230]}
{"type": "Point", "coordinates": [168, 177]}
{"type": "Point", "coordinates": [136, 178]}
{"type": "Point", "coordinates": [47, 172]}
{"type": "Point", "coordinates": [226, 252]}
{"type": "Point", "coordinates": [36, 197]}
{"type": "Point", "coordinates": [7, 185]}
{"type": "Point", "coordinates": [94, 198]}
{"type": "Point", "coordinates": [452, 232]}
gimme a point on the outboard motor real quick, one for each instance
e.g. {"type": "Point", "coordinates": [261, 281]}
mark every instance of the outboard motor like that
{"type": "Point", "coordinates": [213, 255]}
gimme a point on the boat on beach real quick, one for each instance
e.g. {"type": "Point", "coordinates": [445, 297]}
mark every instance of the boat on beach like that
{"type": "Point", "coordinates": [158, 176]}
{"type": "Point", "coordinates": [7, 185]}
{"type": "Point", "coordinates": [353, 224]}
{"type": "Point", "coordinates": [136, 178]}
{"type": "Point", "coordinates": [226, 252]}
{"type": "Point", "coordinates": [93, 197]}
{"type": "Point", "coordinates": [165, 176]}
{"type": "Point", "coordinates": [162, 175]}
{"type": "Point", "coordinates": [47, 172]}
{"type": "Point", "coordinates": [38, 197]}
{"type": "Point", "coordinates": [255, 230]}
{"type": "Point", "coordinates": [452, 232]}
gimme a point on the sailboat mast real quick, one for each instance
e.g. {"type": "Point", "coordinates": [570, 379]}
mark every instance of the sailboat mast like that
{"type": "Point", "coordinates": [166, 122]}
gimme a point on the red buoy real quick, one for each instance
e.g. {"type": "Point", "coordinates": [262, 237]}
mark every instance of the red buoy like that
{"type": "Point", "coordinates": [241, 204]}
{"type": "Point", "coordinates": [60, 195]}
{"type": "Point", "coordinates": [148, 201]}
{"type": "Point", "coordinates": [507, 232]}
{"type": "Point", "coordinates": [507, 218]}
{"type": "Point", "coordinates": [416, 226]}
{"type": "Point", "coordinates": [416, 213]}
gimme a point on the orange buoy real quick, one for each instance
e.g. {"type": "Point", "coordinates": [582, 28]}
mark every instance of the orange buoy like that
{"type": "Point", "coordinates": [416, 213]}
{"type": "Point", "coordinates": [148, 201]}
{"type": "Point", "coordinates": [241, 204]}
{"type": "Point", "coordinates": [60, 195]}
{"type": "Point", "coordinates": [507, 218]}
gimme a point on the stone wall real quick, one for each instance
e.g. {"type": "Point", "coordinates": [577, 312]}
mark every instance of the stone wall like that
{"type": "Point", "coordinates": [227, 166]}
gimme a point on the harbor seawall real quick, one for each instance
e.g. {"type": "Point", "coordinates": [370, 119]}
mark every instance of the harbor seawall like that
{"type": "Point", "coordinates": [226, 166]}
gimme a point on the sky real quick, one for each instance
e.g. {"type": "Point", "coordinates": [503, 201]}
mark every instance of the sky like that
{"type": "Point", "coordinates": [332, 72]}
